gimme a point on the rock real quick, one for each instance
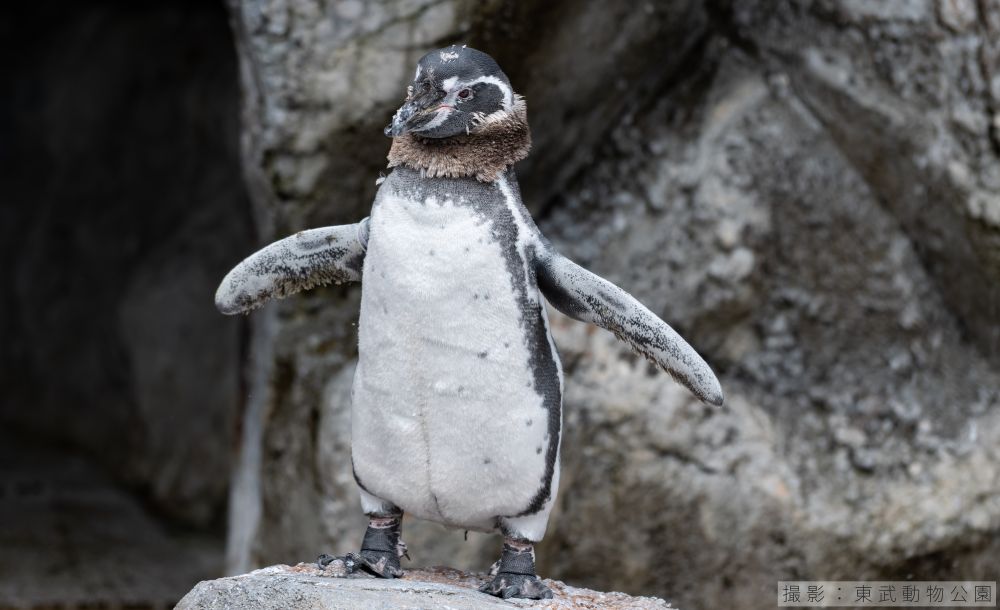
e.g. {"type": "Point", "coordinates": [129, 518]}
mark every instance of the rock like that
{"type": "Point", "coordinates": [801, 471]}
{"type": "Point", "coordinates": [806, 190]}
{"type": "Point", "coordinates": [305, 586]}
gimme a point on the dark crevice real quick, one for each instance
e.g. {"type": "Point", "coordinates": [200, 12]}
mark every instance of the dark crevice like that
{"type": "Point", "coordinates": [722, 23]}
{"type": "Point", "coordinates": [119, 132]}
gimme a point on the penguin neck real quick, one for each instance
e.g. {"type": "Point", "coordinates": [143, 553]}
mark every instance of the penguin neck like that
{"type": "Point", "coordinates": [495, 143]}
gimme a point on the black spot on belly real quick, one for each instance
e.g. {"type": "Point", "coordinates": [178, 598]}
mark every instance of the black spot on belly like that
{"type": "Point", "coordinates": [487, 460]}
{"type": "Point", "coordinates": [528, 423]}
{"type": "Point", "coordinates": [538, 450]}
{"type": "Point", "coordinates": [482, 354]}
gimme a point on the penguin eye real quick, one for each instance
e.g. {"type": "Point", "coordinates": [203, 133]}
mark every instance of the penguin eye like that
{"type": "Point", "coordinates": [465, 93]}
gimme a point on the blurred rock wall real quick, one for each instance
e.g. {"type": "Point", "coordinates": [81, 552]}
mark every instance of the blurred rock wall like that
{"type": "Point", "coordinates": [123, 204]}
{"type": "Point", "coordinates": [808, 190]}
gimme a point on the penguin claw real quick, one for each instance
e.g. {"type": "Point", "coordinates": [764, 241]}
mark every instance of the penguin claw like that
{"type": "Point", "coordinates": [339, 566]}
{"type": "Point", "coordinates": [324, 560]}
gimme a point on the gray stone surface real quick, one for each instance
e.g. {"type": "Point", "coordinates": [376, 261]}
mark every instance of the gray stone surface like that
{"type": "Point", "coordinates": [303, 586]}
{"type": "Point", "coordinates": [71, 538]}
{"type": "Point", "coordinates": [807, 190]}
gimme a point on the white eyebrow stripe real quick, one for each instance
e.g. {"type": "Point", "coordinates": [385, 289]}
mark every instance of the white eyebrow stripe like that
{"type": "Point", "coordinates": [508, 93]}
{"type": "Point", "coordinates": [419, 70]}
{"type": "Point", "coordinates": [449, 83]}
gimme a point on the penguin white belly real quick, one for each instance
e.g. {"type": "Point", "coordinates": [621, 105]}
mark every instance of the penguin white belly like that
{"type": "Point", "coordinates": [446, 423]}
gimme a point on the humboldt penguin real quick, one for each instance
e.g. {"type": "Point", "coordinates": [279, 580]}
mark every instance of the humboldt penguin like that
{"type": "Point", "coordinates": [456, 402]}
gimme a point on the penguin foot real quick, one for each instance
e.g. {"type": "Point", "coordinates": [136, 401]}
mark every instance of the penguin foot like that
{"type": "Point", "coordinates": [514, 575]}
{"type": "Point", "coordinates": [381, 565]}
{"type": "Point", "coordinates": [379, 554]}
{"type": "Point", "coordinates": [524, 586]}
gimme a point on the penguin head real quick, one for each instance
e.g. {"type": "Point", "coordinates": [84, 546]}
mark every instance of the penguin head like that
{"type": "Point", "coordinates": [453, 89]}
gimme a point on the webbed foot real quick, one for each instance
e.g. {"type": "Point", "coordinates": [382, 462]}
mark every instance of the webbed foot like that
{"type": "Point", "coordinates": [514, 575]}
{"type": "Point", "coordinates": [380, 551]}
{"type": "Point", "coordinates": [524, 586]}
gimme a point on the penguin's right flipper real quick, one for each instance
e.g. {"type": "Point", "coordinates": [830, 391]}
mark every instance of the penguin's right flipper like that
{"type": "Point", "coordinates": [587, 297]}
{"type": "Point", "coordinates": [302, 261]}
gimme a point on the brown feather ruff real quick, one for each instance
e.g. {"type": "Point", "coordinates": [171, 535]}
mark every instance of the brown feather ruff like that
{"type": "Point", "coordinates": [497, 142]}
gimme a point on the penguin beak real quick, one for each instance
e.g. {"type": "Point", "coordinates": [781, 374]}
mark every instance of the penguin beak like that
{"type": "Point", "coordinates": [404, 118]}
{"type": "Point", "coordinates": [416, 111]}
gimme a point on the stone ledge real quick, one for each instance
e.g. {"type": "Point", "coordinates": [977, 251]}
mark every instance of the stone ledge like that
{"type": "Point", "coordinates": [304, 586]}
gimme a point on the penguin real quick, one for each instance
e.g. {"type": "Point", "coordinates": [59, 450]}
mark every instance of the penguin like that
{"type": "Point", "coordinates": [457, 397]}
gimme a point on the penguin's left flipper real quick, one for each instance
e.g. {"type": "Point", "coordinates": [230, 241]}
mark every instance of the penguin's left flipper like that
{"type": "Point", "coordinates": [587, 297]}
{"type": "Point", "coordinates": [291, 265]}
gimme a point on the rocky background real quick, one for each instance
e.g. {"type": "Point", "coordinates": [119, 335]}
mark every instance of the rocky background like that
{"type": "Point", "coordinates": [808, 190]}
{"type": "Point", "coordinates": [120, 388]}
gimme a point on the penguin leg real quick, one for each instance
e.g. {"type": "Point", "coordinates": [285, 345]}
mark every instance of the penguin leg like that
{"type": "Point", "coordinates": [381, 548]}
{"type": "Point", "coordinates": [514, 574]}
